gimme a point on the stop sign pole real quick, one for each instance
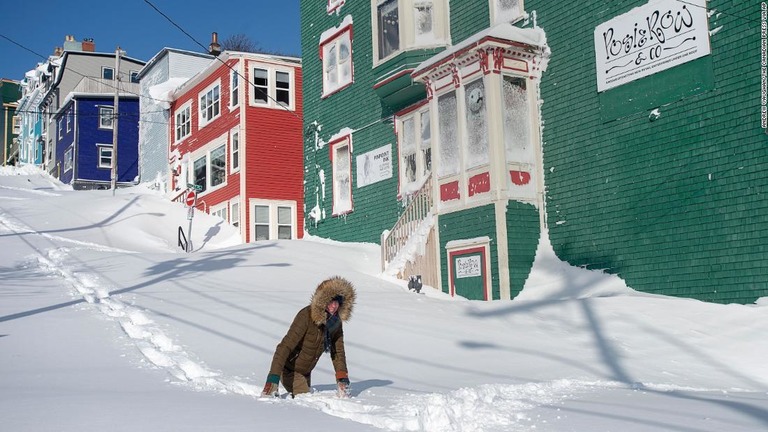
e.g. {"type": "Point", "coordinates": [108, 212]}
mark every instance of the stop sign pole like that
{"type": "Point", "coordinates": [191, 200]}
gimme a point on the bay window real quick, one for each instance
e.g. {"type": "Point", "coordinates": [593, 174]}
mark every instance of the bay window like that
{"type": "Point", "coordinates": [415, 150]}
{"type": "Point", "coordinates": [506, 11]}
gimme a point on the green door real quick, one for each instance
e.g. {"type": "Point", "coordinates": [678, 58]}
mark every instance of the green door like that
{"type": "Point", "coordinates": [468, 274]}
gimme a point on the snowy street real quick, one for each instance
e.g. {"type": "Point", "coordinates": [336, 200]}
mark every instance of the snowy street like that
{"type": "Point", "coordinates": [104, 323]}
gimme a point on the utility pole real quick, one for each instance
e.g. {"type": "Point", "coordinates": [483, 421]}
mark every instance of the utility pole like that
{"type": "Point", "coordinates": [114, 120]}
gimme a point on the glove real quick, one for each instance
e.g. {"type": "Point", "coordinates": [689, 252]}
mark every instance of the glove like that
{"type": "Point", "coordinates": [270, 388]}
{"type": "Point", "coordinates": [342, 383]}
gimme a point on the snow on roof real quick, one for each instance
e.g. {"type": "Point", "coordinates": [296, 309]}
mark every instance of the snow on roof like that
{"type": "Point", "coordinates": [530, 36]}
{"type": "Point", "coordinates": [324, 36]}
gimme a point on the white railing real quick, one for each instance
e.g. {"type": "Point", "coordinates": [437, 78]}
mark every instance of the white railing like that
{"type": "Point", "coordinates": [412, 235]}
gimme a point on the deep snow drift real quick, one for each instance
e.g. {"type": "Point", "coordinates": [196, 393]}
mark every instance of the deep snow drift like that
{"type": "Point", "coordinates": [106, 323]}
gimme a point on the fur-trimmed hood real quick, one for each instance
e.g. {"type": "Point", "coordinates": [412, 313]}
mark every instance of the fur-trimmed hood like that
{"type": "Point", "coordinates": [325, 292]}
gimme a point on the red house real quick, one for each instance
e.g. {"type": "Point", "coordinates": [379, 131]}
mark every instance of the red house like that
{"type": "Point", "coordinates": [236, 135]}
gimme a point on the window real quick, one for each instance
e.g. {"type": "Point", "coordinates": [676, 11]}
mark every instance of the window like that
{"type": "Point", "coordinates": [415, 141]}
{"type": "Point", "coordinates": [234, 147]}
{"type": "Point", "coordinates": [134, 77]}
{"type": "Point", "coordinates": [218, 166]}
{"type": "Point", "coordinates": [107, 73]}
{"type": "Point", "coordinates": [477, 124]}
{"type": "Point", "coordinates": [183, 121]}
{"type": "Point", "coordinates": [448, 133]}
{"type": "Point", "coordinates": [105, 117]}
{"type": "Point", "coordinates": [506, 11]}
{"type": "Point", "coordinates": [16, 125]}
{"type": "Point", "coordinates": [105, 155]}
{"type": "Point", "coordinates": [341, 156]}
{"type": "Point", "coordinates": [234, 212]}
{"type": "Point", "coordinates": [68, 159]}
{"type": "Point", "coordinates": [336, 54]}
{"type": "Point", "coordinates": [220, 211]}
{"type": "Point", "coordinates": [210, 104]}
{"type": "Point", "coordinates": [60, 127]}
{"type": "Point", "coordinates": [272, 88]}
{"type": "Point", "coordinates": [408, 24]}
{"type": "Point", "coordinates": [261, 222]}
{"type": "Point", "coordinates": [284, 223]}
{"type": "Point", "coordinates": [260, 86]}
{"type": "Point", "coordinates": [199, 173]}
{"type": "Point", "coordinates": [283, 88]}
{"type": "Point", "coordinates": [517, 120]}
{"type": "Point", "coordinates": [234, 89]}
{"type": "Point", "coordinates": [69, 120]}
{"type": "Point", "coordinates": [273, 220]}
{"type": "Point", "coordinates": [209, 168]}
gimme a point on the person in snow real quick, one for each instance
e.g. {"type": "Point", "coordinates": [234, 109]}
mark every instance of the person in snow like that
{"type": "Point", "coordinates": [317, 328]}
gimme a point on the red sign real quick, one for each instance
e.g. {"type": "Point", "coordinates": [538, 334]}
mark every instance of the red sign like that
{"type": "Point", "coordinates": [190, 198]}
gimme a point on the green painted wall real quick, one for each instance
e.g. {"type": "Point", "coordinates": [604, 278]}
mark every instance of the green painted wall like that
{"type": "Point", "coordinates": [674, 206]}
{"type": "Point", "coordinates": [523, 234]}
{"type": "Point", "coordinates": [357, 107]}
{"type": "Point", "coordinates": [468, 224]}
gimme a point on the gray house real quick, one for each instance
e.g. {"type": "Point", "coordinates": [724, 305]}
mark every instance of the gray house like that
{"type": "Point", "coordinates": [67, 72]}
{"type": "Point", "coordinates": [162, 74]}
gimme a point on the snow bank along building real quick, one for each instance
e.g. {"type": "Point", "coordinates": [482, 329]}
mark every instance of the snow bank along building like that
{"type": "Point", "coordinates": [457, 133]}
{"type": "Point", "coordinates": [235, 136]}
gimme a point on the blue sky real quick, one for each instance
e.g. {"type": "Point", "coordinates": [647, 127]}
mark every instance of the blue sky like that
{"type": "Point", "coordinates": [139, 29]}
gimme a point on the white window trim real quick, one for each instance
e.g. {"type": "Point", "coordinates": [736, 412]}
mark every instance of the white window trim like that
{"type": "Point", "coordinates": [101, 117]}
{"type": "Point", "coordinates": [215, 210]}
{"type": "Point", "coordinates": [232, 156]}
{"type": "Point", "coordinates": [186, 107]}
{"type": "Point", "coordinates": [272, 87]}
{"type": "Point", "coordinates": [344, 32]}
{"type": "Point", "coordinates": [234, 90]}
{"type": "Point", "coordinates": [345, 140]}
{"type": "Point", "coordinates": [234, 214]}
{"type": "Point", "coordinates": [69, 160]}
{"type": "Point", "coordinates": [273, 225]}
{"type": "Point", "coordinates": [441, 28]}
{"type": "Point", "coordinates": [406, 188]}
{"type": "Point", "coordinates": [107, 68]}
{"type": "Point", "coordinates": [205, 151]}
{"type": "Point", "coordinates": [99, 148]}
{"type": "Point", "coordinates": [203, 121]}
{"type": "Point", "coordinates": [60, 128]}
{"type": "Point", "coordinates": [69, 120]}
{"type": "Point", "coordinates": [498, 17]}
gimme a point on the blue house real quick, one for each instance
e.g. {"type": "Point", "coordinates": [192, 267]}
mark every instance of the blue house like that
{"type": "Point", "coordinates": [84, 129]}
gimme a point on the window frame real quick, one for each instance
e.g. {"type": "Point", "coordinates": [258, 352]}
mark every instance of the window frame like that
{"type": "Point", "coordinates": [100, 148]}
{"type": "Point", "coordinates": [408, 39]}
{"type": "Point", "coordinates": [186, 125]}
{"type": "Point", "coordinates": [103, 115]}
{"type": "Point", "coordinates": [69, 158]}
{"type": "Point", "coordinates": [272, 87]}
{"type": "Point", "coordinates": [133, 76]}
{"type": "Point", "coordinates": [234, 212]}
{"type": "Point", "coordinates": [69, 120]}
{"type": "Point", "coordinates": [214, 89]}
{"type": "Point", "coordinates": [273, 224]}
{"type": "Point", "coordinates": [234, 89]}
{"type": "Point", "coordinates": [204, 153]}
{"type": "Point", "coordinates": [110, 70]}
{"type": "Point", "coordinates": [334, 146]}
{"type": "Point", "coordinates": [234, 150]}
{"type": "Point", "coordinates": [335, 40]}
{"type": "Point", "coordinates": [422, 171]}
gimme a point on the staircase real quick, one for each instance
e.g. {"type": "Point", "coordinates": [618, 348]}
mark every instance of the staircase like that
{"type": "Point", "coordinates": [409, 247]}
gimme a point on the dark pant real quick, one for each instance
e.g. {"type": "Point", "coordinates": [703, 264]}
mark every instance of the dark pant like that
{"type": "Point", "coordinates": [296, 383]}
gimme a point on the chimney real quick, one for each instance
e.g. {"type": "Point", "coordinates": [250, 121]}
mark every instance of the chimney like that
{"type": "Point", "coordinates": [214, 48]}
{"type": "Point", "coordinates": [89, 45]}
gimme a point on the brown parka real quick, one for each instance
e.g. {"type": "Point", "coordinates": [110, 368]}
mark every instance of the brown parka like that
{"type": "Point", "coordinates": [302, 346]}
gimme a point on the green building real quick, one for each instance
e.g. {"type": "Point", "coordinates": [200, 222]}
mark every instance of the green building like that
{"type": "Point", "coordinates": [10, 93]}
{"type": "Point", "coordinates": [458, 133]}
